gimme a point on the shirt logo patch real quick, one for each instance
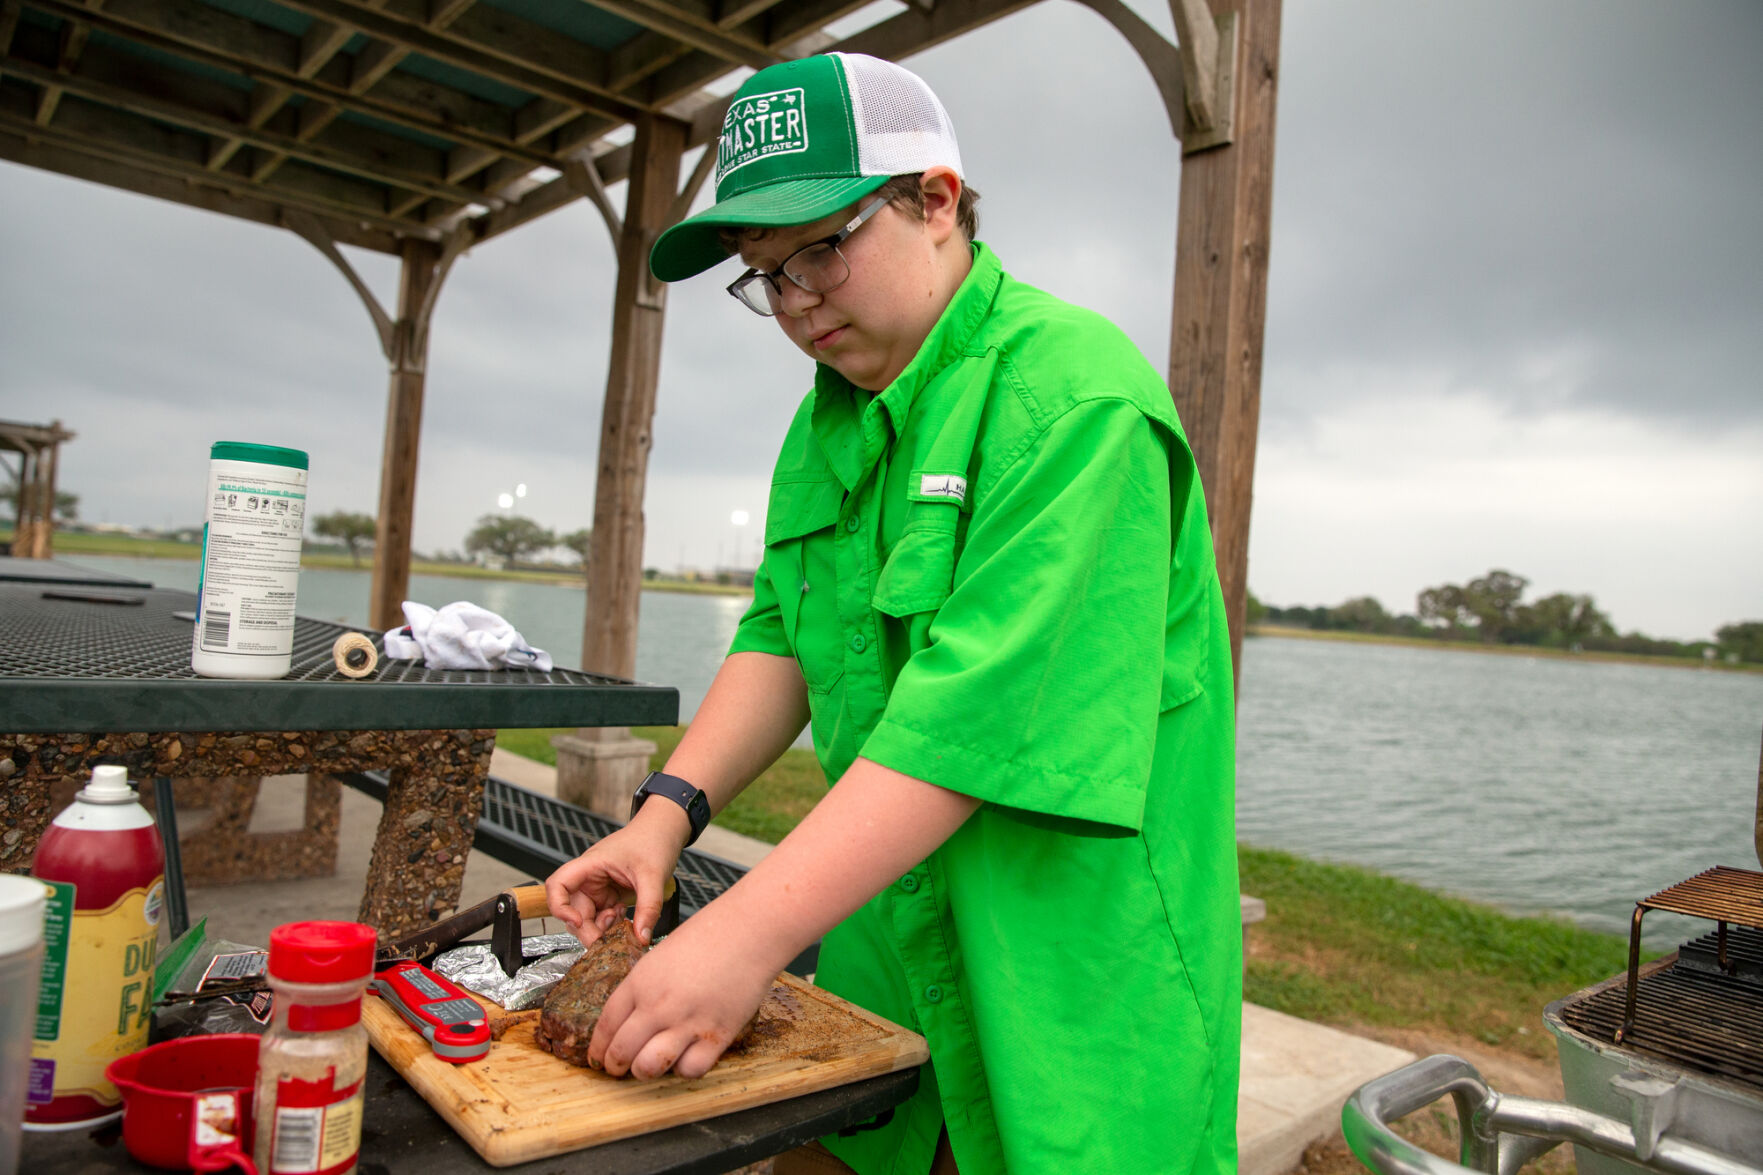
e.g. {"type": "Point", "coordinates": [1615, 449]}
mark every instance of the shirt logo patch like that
{"type": "Point", "coordinates": [942, 485]}
{"type": "Point", "coordinates": [760, 126]}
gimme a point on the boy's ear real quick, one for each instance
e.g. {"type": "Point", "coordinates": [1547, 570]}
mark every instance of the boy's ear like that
{"type": "Point", "coordinates": [940, 188]}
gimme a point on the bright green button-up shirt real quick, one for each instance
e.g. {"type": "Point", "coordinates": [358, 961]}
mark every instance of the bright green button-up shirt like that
{"type": "Point", "coordinates": [997, 576]}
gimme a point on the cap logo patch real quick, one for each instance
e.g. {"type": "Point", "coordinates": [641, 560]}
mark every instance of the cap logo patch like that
{"type": "Point", "coordinates": [759, 126]}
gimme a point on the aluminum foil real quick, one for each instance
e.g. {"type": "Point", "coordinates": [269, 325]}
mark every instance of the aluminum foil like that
{"type": "Point", "coordinates": [474, 968]}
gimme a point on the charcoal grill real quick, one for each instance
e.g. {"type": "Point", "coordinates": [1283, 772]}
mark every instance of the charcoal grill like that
{"type": "Point", "coordinates": [1662, 1065]}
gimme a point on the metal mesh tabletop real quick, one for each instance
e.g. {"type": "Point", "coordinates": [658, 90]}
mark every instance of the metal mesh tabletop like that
{"type": "Point", "coordinates": [51, 571]}
{"type": "Point", "coordinates": [119, 660]}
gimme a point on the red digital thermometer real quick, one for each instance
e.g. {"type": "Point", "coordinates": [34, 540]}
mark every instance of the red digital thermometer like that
{"type": "Point", "coordinates": [452, 1022]}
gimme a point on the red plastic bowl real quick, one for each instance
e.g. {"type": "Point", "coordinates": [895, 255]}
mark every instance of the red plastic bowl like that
{"type": "Point", "coordinates": [159, 1086]}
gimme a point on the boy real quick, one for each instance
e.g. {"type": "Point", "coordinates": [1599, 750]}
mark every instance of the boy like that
{"type": "Point", "coordinates": [988, 585]}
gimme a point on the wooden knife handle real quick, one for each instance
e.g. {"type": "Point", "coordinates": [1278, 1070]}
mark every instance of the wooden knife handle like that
{"type": "Point", "coordinates": [531, 900]}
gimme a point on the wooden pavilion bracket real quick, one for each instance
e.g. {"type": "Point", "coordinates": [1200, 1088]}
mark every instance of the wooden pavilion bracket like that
{"type": "Point", "coordinates": [584, 176]}
{"type": "Point", "coordinates": [404, 341]}
{"type": "Point", "coordinates": [1208, 49]}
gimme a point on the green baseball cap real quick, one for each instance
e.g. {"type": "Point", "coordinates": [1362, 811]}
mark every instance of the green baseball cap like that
{"type": "Point", "coordinates": [804, 139]}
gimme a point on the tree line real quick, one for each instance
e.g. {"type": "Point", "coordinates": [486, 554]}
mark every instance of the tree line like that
{"type": "Point", "coordinates": [1491, 610]}
{"type": "Point", "coordinates": [508, 537]}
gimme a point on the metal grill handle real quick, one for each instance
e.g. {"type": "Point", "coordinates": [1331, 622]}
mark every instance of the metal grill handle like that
{"type": "Point", "coordinates": [1500, 1132]}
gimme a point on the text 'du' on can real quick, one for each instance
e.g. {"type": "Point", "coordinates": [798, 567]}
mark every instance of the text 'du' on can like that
{"type": "Point", "coordinates": [256, 515]}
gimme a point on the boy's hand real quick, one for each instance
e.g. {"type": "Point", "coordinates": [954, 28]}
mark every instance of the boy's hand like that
{"type": "Point", "coordinates": [681, 1006]}
{"type": "Point", "coordinates": [631, 866]}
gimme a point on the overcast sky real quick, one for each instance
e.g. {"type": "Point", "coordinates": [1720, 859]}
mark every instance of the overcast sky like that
{"type": "Point", "coordinates": [1514, 312]}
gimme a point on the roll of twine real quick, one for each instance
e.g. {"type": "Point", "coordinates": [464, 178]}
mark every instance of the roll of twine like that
{"type": "Point", "coordinates": [355, 655]}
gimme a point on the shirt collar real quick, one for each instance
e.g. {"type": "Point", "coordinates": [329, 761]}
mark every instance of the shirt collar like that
{"type": "Point", "coordinates": [848, 422]}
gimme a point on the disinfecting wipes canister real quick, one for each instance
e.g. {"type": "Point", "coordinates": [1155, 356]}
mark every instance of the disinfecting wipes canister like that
{"type": "Point", "coordinates": [250, 561]}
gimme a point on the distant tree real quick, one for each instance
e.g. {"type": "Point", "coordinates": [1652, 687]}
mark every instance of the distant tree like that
{"type": "Point", "coordinates": [67, 506]}
{"type": "Point", "coordinates": [1445, 606]}
{"type": "Point", "coordinates": [508, 536]}
{"type": "Point", "coordinates": [352, 530]}
{"type": "Point", "coordinates": [1256, 612]}
{"type": "Point", "coordinates": [1743, 639]}
{"type": "Point", "coordinates": [1494, 599]}
{"type": "Point", "coordinates": [579, 541]}
{"type": "Point", "coordinates": [1363, 614]}
{"type": "Point", "coordinates": [1563, 620]}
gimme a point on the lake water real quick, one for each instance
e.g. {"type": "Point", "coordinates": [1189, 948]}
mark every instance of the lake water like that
{"type": "Point", "coordinates": [1536, 784]}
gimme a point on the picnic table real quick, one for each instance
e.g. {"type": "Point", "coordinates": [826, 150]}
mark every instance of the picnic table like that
{"type": "Point", "coordinates": [95, 675]}
{"type": "Point", "coordinates": [104, 676]}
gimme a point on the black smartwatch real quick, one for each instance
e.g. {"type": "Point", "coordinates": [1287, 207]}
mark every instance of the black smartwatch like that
{"type": "Point", "coordinates": [693, 800]}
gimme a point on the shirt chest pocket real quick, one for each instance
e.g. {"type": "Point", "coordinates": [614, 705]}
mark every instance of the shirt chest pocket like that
{"type": "Point", "coordinates": [920, 569]}
{"type": "Point", "coordinates": [799, 521]}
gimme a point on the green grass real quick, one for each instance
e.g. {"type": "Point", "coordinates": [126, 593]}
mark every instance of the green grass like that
{"type": "Point", "coordinates": [130, 546]}
{"type": "Point", "coordinates": [1347, 946]}
{"type": "Point", "coordinates": [767, 810]}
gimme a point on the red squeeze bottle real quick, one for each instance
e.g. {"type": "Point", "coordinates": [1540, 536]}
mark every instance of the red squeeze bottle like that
{"type": "Point", "coordinates": [106, 867]}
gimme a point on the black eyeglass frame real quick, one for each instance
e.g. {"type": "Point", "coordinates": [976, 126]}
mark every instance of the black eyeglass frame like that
{"type": "Point", "coordinates": [832, 241]}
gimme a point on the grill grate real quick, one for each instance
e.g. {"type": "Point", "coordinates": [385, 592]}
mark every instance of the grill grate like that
{"type": "Point", "coordinates": [1723, 894]}
{"type": "Point", "coordinates": [1689, 1017]}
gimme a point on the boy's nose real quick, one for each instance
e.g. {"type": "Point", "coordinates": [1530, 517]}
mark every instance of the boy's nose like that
{"type": "Point", "coordinates": [795, 301]}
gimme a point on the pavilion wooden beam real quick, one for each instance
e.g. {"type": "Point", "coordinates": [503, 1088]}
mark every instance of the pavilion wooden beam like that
{"type": "Point", "coordinates": [694, 28]}
{"type": "Point", "coordinates": [406, 165]}
{"type": "Point", "coordinates": [185, 185]}
{"type": "Point", "coordinates": [500, 46]}
{"type": "Point", "coordinates": [1220, 304]}
{"type": "Point", "coordinates": [266, 56]}
{"type": "Point", "coordinates": [118, 136]}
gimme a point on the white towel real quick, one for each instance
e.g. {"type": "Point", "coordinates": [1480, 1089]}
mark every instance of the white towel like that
{"type": "Point", "coordinates": [461, 636]}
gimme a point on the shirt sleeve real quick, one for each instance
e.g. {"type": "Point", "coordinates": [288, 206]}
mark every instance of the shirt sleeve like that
{"type": "Point", "coordinates": [1040, 684]}
{"type": "Point", "coordinates": [761, 629]}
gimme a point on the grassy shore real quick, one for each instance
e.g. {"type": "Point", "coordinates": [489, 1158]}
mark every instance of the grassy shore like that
{"type": "Point", "coordinates": [130, 547]}
{"type": "Point", "coordinates": [1372, 638]}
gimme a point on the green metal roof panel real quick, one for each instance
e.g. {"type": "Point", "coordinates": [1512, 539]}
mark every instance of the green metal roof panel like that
{"type": "Point", "coordinates": [171, 61]}
{"type": "Point", "coordinates": [572, 18]}
{"type": "Point", "coordinates": [393, 129]}
{"type": "Point", "coordinates": [464, 81]}
{"type": "Point", "coordinates": [272, 15]}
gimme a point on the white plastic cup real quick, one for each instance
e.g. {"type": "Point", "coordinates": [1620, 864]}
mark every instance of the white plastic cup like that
{"type": "Point", "coordinates": [21, 965]}
{"type": "Point", "coordinates": [256, 515]}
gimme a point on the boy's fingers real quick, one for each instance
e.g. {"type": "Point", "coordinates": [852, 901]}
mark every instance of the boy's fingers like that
{"type": "Point", "coordinates": [648, 913]}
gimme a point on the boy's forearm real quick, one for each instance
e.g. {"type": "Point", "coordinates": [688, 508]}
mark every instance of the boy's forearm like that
{"type": "Point", "coordinates": [868, 831]}
{"type": "Point", "coordinates": [756, 707]}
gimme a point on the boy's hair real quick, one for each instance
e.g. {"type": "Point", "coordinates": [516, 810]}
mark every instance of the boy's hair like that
{"type": "Point", "coordinates": [902, 191]}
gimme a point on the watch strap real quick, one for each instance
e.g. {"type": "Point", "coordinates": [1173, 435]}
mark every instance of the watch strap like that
{"type": "Point", "coordinates": [693, 800]}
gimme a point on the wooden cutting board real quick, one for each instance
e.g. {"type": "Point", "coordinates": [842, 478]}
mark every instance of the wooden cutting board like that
{"type": "Point", "coordinates": [521, 1103]}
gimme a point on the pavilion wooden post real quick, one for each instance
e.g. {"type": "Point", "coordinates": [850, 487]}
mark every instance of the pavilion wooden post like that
{"type": "Point", "coordinates": [39, 451]}
{"type": "Point", "coordinates": [405, 342]}
{"type": "Point", "coordinates": [409, 358]}
{"type": "Point", "coordinates": [600, 768]}
{"type": "Point", "coordinates": [1220, 305]}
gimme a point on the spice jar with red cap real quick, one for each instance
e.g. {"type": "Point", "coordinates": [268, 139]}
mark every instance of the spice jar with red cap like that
{"type": "Point", "coordinates": [313, 1059]}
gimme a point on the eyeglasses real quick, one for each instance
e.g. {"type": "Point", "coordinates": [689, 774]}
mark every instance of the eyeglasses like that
{"type": "Point", "coordinates": [818, 268]}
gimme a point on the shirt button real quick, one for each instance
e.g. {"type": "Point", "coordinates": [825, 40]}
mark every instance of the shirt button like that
{"type": "Point", "coordinates": [851, 524]}
{"type": "Point", "coordinates": [858, 644]}
{"type": "Point", "coordinates": [909, 883]}
{"type": "Point", "coordinates": [933, 994]}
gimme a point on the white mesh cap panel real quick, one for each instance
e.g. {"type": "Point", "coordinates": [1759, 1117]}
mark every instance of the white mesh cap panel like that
{"type": "Point", "coordinates": [901, 127]}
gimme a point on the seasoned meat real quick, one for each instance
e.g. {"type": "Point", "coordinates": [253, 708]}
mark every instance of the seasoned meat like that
{"type": "Point", "coordinates": [566, 1024]}
{"type": "Point", "coordinates": [573, 1008]}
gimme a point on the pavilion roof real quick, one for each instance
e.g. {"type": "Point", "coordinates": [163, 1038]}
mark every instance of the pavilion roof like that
{"type": "Point", "coordinates": [394, 119]}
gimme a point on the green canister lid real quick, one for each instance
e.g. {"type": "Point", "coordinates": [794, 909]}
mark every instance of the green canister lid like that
{"type": "Point", "coordinates": [263, 454]}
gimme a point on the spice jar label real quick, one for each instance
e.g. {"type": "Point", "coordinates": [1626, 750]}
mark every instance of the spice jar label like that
{"type": "Point", "coordinates": [317, 1128]}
